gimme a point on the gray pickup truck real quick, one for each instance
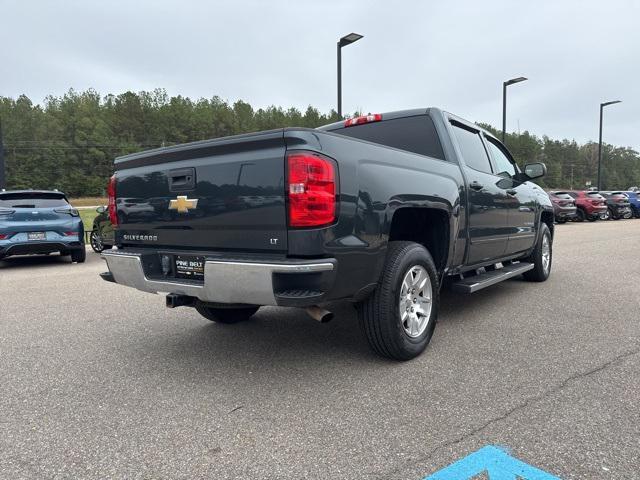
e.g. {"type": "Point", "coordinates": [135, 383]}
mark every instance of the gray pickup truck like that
{"type": "Point", "coordinates": [379, 210]}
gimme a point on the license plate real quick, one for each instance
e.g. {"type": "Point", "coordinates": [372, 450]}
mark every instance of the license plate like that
{"type": "Point", "coordinates": [189, 266]}
{"type": "Point", "coordinates": [36, 236]}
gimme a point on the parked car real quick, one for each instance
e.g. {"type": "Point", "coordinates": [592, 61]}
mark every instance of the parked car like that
{"type": "Point", "coordinates": [39, 222]}
{"type": "Point", "coordinates": [590, 205]}
{"type": "Point", "coordinates": [564, 206]}
{"type": "Point", "coordinates": [377, 209]}
{"type": "Point", "coordinates": [618, 205]}
{"type": "Point", "coordinates": [634, 202]}
{"type": "Point", "coordinates": [101, 237]}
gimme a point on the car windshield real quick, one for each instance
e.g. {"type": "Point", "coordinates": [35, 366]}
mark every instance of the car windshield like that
{"type": "Point", "coordinates": [32, 200]}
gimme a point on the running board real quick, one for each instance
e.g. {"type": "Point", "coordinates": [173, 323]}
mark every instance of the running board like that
{"type": "Point", "coordinates": [478, 282]}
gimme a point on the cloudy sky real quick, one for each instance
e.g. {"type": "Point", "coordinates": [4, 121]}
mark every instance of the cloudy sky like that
{"type": "Point", "coordinates": [454, 55]}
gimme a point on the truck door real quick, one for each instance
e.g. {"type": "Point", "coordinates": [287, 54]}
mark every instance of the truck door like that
{"type": "Point", "coordinates": [486, 201]}
{"type": "Point", "coordinates": [521, 199]}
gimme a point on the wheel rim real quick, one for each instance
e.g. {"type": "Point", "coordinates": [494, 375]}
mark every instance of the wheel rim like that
{"type": "Point", "coordinates": [96, 241]}
{"type": "Point", "coordinates": [415, 301]}
{"type": "Point", "coordinates": [546, 253]}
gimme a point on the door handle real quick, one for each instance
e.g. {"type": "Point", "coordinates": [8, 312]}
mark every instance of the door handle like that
{"type": "Point", "coordinates": [476, 186]}
{"type": "Point", "coordinates": [511, 191]}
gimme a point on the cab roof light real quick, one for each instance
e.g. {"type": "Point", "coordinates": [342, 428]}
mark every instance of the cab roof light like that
{"type": "Point", "coordinates": [372, 117]}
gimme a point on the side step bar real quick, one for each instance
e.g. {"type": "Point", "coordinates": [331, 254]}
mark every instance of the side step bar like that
{"type": "Point", "coordinates": [478, 282]}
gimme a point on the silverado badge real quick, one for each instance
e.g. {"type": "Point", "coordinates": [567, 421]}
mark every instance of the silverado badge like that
{"type": "Point", "coordinates": [182, 204]}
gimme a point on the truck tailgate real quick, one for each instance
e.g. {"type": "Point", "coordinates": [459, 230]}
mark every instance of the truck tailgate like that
{"type": "Point", "coordinates": [225, 194]}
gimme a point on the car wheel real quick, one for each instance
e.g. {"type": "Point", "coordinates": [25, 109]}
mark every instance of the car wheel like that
{"type": "Point", "coordinates": [541, 257]}
{"type": "Point", "coordinates": [561, 220]}
{"type": "Point", "coordinates": [399, 317]}
{"type": "Point", "coordinates": [580, 215]}
{"type": "Point", "coordinates": [612, 215]}
{"type": "Point", "coordinates": [593, 218]}
{"type": "Point", "coordinates": [96, 241]}
{"type": "Point", "coordinates": [225, 315]}
{"type": "Point", "coordinates": [79, 256]}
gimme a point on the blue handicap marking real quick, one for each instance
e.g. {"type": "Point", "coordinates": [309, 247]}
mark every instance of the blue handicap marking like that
{"type": "Point", "coordinates": [493, 461]}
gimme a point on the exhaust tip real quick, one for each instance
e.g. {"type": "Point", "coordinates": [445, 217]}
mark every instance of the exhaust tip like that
{"type": "Point", "coordinates": [319, 314]}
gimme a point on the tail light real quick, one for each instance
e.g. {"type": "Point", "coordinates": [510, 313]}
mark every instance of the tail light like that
{"type": "Point", "coordinates": [69, 211]}
{"type": "Point", "coordinates": [312, 189]}
{"type": "Point", "coordinates": [595, 202]}
{"type": "Point", "coordinates": [372, 117]}
{"type": "Point", "coordinates": [70, 234]}
{"type": "Point", "coordinates": [4, 236]}
{"type": "Point", "coordinates": [6, 211]}
{"type": "Point", "coordinates": [111, 193]}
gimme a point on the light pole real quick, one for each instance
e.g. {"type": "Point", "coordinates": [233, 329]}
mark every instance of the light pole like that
{"type": "Point", "coordinates": [3, 178]}
{"type": "Point", "coordinates": [602, 105]}
{"type": "Point", "coordinates": [343, 42]}
{"type": "Point", "coordinates": [504, 101]}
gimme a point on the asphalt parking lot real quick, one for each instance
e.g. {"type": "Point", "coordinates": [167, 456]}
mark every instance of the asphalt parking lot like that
{"type": "Point", "coordinates": [101, 381]}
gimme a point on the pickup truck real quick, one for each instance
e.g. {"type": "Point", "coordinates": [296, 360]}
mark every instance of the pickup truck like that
{"type": "Point", "coordinates": [380, 210]}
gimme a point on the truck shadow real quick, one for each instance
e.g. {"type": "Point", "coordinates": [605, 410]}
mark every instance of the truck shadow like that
{"type": "Point", "coordinates": [276, 340]}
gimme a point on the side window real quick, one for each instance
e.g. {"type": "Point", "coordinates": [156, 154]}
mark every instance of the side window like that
{"type": "Point", "coordinates": [504, 165]}
{"type": "Point", "coordinates": [473, 151]}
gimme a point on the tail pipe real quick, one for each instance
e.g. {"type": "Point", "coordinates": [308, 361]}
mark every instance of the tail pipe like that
{"type": "Point", "coordinates": [320, 314]}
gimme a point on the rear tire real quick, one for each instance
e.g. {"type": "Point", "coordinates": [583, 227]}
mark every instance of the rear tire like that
{"type": "Point", "coordinates": [541, 257]}
{"type": "Point", "coordinates": [79, 256]}
{"type": "Point", "coordinates": [580, 215]}
{"type": "Point", "coordinates": [399, 317]}
{"type": "Point", "coordinates": [560, 221]}
{"type": "Point", "coordinates": [225, 315]}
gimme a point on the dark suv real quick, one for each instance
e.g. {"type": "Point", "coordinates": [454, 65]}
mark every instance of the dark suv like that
{"type": "Point", "coordinates": [564, 206]}
{"type": "Point", "coordinates": [590, 205]}
{"type": "Point", "coordinates": [618, 205]}
{"type": "Point", "coordinates": [102, 234]}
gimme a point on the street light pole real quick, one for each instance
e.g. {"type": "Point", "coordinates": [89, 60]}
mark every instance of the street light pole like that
{"type": "Point", "coordinates": [504, 101]}
{"type": "Point", "coordinates": [3, 178]}
{"type": "Point", "coordinates": [343, 42]}
{"type": "Point", "coordinates": [602, 105]}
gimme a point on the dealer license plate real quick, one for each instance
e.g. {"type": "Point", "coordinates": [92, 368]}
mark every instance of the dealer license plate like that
{"type": "Point", "coordinates": [189, 266]}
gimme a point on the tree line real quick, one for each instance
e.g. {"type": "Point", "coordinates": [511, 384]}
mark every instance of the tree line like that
{"type": "Point", "coordinates": [69, 142]}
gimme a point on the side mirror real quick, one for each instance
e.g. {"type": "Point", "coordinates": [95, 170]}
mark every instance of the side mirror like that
{"type": "Point", "coordinates": [535, 170]}
{"type": "Point", "coordinates": [101, 209]}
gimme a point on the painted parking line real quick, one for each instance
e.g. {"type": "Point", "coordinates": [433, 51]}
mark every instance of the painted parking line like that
{"type": "Point", "coordinates": [493, 461]}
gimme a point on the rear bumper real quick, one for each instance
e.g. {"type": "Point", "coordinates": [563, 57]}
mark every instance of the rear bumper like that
{"type": "Point", "coordinates": [38, 247]}
{"type": "Point", "coordinates": [233, 281]}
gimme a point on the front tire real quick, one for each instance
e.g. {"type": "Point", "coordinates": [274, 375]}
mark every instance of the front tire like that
{"type": "Point", "coordinates": [225, 315]}
{"type": "Point", "coordinates": [399, 317]}
{"type": "Point", "coordinates": [541, 257]}
{"type": "Point", "coordinates": [96, 242]}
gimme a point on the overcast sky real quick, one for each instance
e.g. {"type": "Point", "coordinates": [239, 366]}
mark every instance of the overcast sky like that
{"type": "Point", "coordinates": [454, 55]}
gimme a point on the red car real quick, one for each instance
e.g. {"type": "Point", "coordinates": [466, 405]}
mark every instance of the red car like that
{"type": "Point", "coordinates": [591, 205]}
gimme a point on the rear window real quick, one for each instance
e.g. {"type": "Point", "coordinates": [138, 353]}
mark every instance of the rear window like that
{"type": "Point", "coordinates": [413, 134]}
{"type": "Point", "coordinates": [562, 195]}
{"type": "Point", "coordinates": [595, 195]}
{"type": "Point", "coordinates": [32, 200]}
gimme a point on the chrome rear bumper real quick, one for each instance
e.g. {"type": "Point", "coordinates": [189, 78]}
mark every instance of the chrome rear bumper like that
{"type": "Point", "coordinates": [225, 281]}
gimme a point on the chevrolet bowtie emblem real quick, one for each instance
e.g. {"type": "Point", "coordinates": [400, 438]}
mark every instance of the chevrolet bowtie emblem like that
{"type": "Point", "coordinates": [182, 204]}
